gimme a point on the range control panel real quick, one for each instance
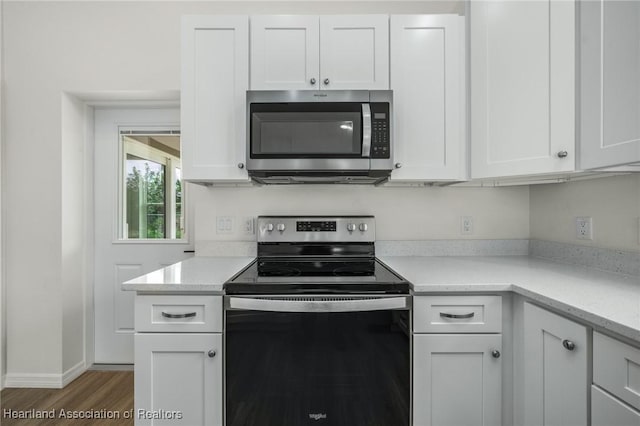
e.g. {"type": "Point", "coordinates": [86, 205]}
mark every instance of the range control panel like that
{"type": "Point", "coordinates": [380, 130]}
{"type": "Point", "coordinates": [316, 229]}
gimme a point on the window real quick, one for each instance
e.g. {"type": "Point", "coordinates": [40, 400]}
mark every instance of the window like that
{"type": "Point", "coordinates": [151, 187]}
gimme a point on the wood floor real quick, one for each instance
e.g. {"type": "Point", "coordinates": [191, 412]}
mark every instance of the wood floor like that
{"type": "Point", "coordinates": [101, 393]}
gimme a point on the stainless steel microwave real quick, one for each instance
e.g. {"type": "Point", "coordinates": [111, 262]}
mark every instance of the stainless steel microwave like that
{"type": "Point", "coordinates": [331, 136]}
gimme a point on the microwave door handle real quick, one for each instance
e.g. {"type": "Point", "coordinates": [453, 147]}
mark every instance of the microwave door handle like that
{"type": "Point", "coordinates": [366, 130]}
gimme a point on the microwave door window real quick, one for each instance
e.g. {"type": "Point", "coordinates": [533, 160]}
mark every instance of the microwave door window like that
{"type": "Point", "coordinates": [306, 134]}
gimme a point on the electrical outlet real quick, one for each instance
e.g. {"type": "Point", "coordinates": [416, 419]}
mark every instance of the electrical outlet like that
{"type": "Point", "coordinates": [466, 225]}
{"type": "Point", "coordinates": [584, 228]}
{"type": "Point", "coordinates": [248, 226]}
{"type": "Point", "coordinates": [224, 224]}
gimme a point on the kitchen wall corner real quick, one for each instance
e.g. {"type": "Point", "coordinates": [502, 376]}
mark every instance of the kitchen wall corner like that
{"type": "Point", "coordinates": [613, 203]}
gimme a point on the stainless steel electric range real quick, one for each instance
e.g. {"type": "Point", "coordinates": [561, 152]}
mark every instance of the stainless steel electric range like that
{"type": "Point", "coordinates": [317, 328]}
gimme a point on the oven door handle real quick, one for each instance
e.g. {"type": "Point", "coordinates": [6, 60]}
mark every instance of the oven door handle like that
{"type": "Point", "coordinates": [306, 304]}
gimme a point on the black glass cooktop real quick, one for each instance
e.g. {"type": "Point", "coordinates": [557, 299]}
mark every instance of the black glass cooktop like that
{"type": "Point", "coordinates": [317, 276]}
{"type": "Point", "coordinates": [316, 268]}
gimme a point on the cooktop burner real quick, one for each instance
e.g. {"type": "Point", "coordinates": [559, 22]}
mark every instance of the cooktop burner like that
{"type": "Point", "coordinates": [316, 255]}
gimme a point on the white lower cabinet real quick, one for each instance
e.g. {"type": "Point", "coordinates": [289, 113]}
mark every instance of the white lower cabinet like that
{"type": "Point", "coordinates": [457, 379]}
{"type": "Point", "coordinates": [178, 360]}
{"type": "Point", "coordinates": [178, 379]}
{"type": "Point", "coordinates": [457, 360]}
{"type": "Point", "coordinates": [607, 410]}
{"type": "Point", "coordinates": [556, 388]}
{"type": "Point", "coordinates": [615, 394]}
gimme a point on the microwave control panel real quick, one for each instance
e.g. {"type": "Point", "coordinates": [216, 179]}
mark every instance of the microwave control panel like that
{"type": "Point", "coordinates": [380, 130]}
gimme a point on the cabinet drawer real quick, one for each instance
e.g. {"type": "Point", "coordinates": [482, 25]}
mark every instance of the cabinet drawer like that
{"type": "Point", "coordinates": [457, 314]}
{"type": "Point", "coordinates": [176, 313]}
{"type": "Point", "coordinates": [616, 368]}
{"type": "Point", "coordinates": [609, 411]}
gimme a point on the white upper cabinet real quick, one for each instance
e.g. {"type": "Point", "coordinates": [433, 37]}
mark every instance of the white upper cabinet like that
{"type": "Point", "coordinates": [215, 78]}
{"type": "Point", "coordinates": [609, 83]}
{"type": "Point", "coordinates": [427, 79]}
{"type": "Point", "coordinates": [285, 52]}
{"type": "Point", "coordinates": [354, 52]}
{"type": "Point", "coordinates": [522, 88]}
{"type": "Point", "coordinates": [328, 52]}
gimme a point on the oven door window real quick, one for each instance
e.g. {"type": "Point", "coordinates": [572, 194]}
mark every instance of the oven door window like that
{"type": "Point", "coordinates": [306, 130]}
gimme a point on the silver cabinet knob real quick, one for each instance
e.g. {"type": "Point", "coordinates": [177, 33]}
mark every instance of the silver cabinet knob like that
{"type": "Point", "coordinates": [326, 81]}
{"type": "Point", "coordinates": [568, 345]}
{"type": "Point", "coordinates": [495, 353]}
{"type": "Point", "coordinates": [269, 227]}
{"type": "Point", "coordinates": [241, 165]}
{"type": "Point", "coordinates": [351, 227]}
{"type": "Point", "coordinates": [211, 353]}
{"type": "Point", "coordinates": [312, 81]}
{"type": "Point", "coordinates": [281, 227]}
{"type": "Point", "coordinates": [363, 227]}
{"type": "Point", "coordinates": [562, 154]}
{"type": "Point", "coordinates": [398, 165]}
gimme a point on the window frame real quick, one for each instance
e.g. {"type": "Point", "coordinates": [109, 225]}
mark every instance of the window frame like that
{"type": "Point", "coordinates": [169, 162]}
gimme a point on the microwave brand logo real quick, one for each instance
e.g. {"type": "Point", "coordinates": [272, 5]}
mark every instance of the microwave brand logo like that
{"type": "Point", "coordinates": [322, 95]}
{"type": "Point", "coordinates": [317, 416]}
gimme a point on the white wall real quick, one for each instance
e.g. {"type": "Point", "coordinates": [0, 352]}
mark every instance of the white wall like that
{"type": "Point", "coordinates": [401, 213]}
{"type": "Point", "coordinates": [73, 230]}
{"type": "Point", "coordinates": [613, 203]}
{"type": "Point", "coordinates": [52, 48]}
{"type": "Point", "coordinates": [3, 333]}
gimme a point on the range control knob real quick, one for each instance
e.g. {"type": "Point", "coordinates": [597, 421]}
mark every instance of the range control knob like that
{"type": "Point", "coordinates": [351, 227]}
{"type": "Point", "coordinates": [363, 227]}
{"type": "Point", "coordinates": [269, 227]}
{"type": "Point", "coordinates": [281, 227]}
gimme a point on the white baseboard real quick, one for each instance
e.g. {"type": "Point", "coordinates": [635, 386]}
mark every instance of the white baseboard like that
{"type": "Point", "coordinates": [73, 373]}
{"type": "Point", "coordinates": [53, 381]}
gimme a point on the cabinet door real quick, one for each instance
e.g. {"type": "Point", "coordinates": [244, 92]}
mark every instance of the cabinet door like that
{"type": "Point", "coordinates": [285, 52]}
{"type": "Point", "coordinates": [456, 380]}
{"type": "Point", "coordinates": [215, 78]}
{"type": "Point", "coordinates": [555, 378]}
{"type": "Point", "coordinates": [176, 373]}
{"type": "Point", "coordinates": [427, 80]}
{"type": "Point", "coordinates": [522, 87]}
{"type": "Point", "coordinates": [610, 87]}
{"type": "Point", "coordinates": [609, 411]}
{"type": "Point", "coordinates": [354, 52]}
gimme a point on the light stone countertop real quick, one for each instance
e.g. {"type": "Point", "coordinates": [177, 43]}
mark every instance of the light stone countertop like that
{"type": "Point", "coordinates": [607, 300]}
{"type": "Point", "coordinates": [196, 274]}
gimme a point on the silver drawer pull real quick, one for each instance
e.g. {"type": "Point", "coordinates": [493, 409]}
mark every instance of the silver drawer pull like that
{"type": "Point", "coordinates": [187, 315]}
{"type": "Point", "coordinates": [457, 316]}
